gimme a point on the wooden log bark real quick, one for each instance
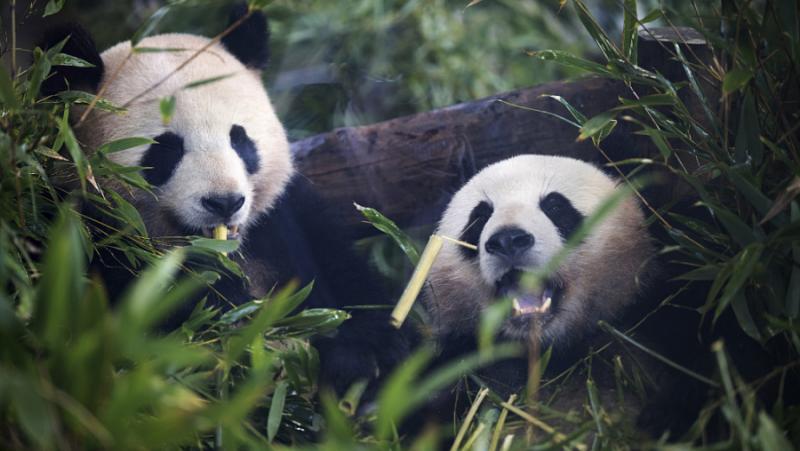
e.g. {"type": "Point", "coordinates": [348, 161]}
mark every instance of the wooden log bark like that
{"type": "Point", "coordinates": [409, 167]}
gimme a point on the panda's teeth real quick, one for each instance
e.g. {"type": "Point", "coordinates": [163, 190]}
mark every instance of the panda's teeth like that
{"type": "Point", "coordinates": [545, 306]}
{"type": "Point", "coordinates": [516, 307]}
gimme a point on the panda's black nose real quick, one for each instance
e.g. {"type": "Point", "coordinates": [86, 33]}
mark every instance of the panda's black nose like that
{"type": "Point", "coordinates": [509, 243]}
{"type": "Point", "coordinates": [223, 205]}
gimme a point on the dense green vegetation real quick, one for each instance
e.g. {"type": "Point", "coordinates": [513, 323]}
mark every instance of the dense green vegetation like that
{"type": "Point", "coordinates": [77, 374]}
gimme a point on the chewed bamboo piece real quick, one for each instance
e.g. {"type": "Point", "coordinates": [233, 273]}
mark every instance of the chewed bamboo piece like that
{"type": "Point", "coordinates": [221, 232]}
{"type": "Point", "coordinates": [414, 286]}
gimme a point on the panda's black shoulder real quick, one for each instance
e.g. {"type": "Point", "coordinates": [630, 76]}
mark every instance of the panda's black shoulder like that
{"type": "Point", "coordinates": [305, 238]}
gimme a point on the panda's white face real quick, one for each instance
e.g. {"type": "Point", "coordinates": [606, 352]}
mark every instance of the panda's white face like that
{"type": "Point", "coordinates": [519, 213]}
{"type": "Point", "coordinates": [222, 159]}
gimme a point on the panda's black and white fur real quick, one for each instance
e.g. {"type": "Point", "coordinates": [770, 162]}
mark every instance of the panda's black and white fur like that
{"type": "Point", "coordinates": [519, 213]}
{"type": "Point", "coordinates": [224, 158]}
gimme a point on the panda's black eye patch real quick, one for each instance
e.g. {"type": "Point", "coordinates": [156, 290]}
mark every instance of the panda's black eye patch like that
{"type": "Point", "coordinates": [472, 229]}
{"type": "Point", "coordinates": [560, 210]}
{"type": "Point", "coordinates": [161, 158]}
{"type": "Point", "coordinates": [245, 147]}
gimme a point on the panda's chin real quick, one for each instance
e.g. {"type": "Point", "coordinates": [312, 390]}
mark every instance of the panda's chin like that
{"type": "Point", "coordinates": [540, 303]}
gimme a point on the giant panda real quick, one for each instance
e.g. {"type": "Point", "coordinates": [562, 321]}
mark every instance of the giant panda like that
{"type": "Point", "coordinates": [519, 213]}
{"type": "Point", "coordinates": [224, 159]}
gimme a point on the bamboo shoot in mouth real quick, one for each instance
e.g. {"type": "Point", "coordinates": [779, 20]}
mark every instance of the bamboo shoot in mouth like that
{"type": "Point", "coordinates": [221, 232]}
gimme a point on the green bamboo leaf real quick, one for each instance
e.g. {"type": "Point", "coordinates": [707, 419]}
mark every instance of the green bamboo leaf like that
{"type": "Point", "coordinates": [610, 51]}
{"type": "Point", "coordinates": [62, 59]}
{"type": "Point", "coordinates": [141, 49]}
{"type": "Point", "coordinates": [67, 137]}
{"type": "Point", "coordinates": [743, 316]}
{"type": "Point", "coordinates": [39, 70]}
{"type": "Point", "coordinates": [8, 94]}
{"type": "Point", "coordinates": [577, 115]}
{"type": "Point", "coordinates": [598, 127]}
{"type": "Point", "coordinates": [652, 16]}
{"type": "Point", "coordinates": [491, 320]}
{"type": "Point", "coordinates": [736, 79]}
{"type": "Point", "coordinates": [149, 25]}
{"type": "Point", "coordinates": [630, 33]}
{"type": "Point", "coordinates": [206, 81]}
{"type": "Point", "coordinates": [128, 214]}
{"type": "Point", "coordinates": [569, 60]}
{"type": "Point", "coordinates": [276, 410]}
{"type": "Point", "coordinates": [651, 100]}
{"type": "Point", "coordinates": [85, 98]}
{"type": "Point", "coordinates": [35, 414]}
{"type": "Point", "coordinates": [738, 230]}
{"type": "Point", "coordinates": [793, 290]}
{"type": "Point", "coordinates": [241, 312]}
{"type": "Point", "coordinates": [224, 246]}
{"type": "Point", "coordinates": [53, 7]}
{"type": "Point", "coordinates": [743, 265]}
{"type": "Point", "coordinates": [771, 436]}
{"type": "Point", "coordinates": [62, 282]}
{"type": "Point", "coordinates": [388, 227]}
{"type": "Point", "coordinates": [307, 323]}
{"type": "Point", "coordinates": [757, 199]}
{"type": "Point", "coordinates": [748, 136]}
{"type": "Point", "coordinates": [124, 144]}
{"type": "Point", "coordinates": [167, 108]}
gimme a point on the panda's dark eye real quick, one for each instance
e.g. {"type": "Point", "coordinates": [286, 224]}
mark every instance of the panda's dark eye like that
{"type": "Point", "coordinates": [245, 147]}
{"type": "Point", "coordinates": [472, 230]}
{"type": "Point", "coordinates": [563, 214]}
{"type": "Point", "coordinates": [161, 158]}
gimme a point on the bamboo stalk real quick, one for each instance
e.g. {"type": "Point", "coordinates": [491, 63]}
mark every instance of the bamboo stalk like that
{"type": "Point", "coordinates": [473, 409]}
{"type": "Point", "coordinates": [414, 286]}
{"type": "Point", "coordinates": [501, 421]}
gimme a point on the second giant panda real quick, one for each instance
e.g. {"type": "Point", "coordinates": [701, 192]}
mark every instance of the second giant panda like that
{"type": "Point", "coordinates": [519, 213]}
{"type": "Point", "coordinates": [224, 159]}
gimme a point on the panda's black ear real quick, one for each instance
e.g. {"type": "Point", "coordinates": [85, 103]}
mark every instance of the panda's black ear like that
{"type": "Point", "coordinates": [80, 44]}
{"type": "Point", "coordinates": [249, 42]}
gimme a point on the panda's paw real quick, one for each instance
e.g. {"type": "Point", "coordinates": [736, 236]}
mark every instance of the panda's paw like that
{"type": "Point", "coordinates": [343, 363]}
{"type": "Point", "coordinates": [360, 354]}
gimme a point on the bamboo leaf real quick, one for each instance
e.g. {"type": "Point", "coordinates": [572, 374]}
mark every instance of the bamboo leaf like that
{"type": "Point", "coordinates": [8, 94]}
{"type": "Point", "coordinates": [276, 410]}
{"type": "Point", "coordinates": [53, 7]}
{"type": "Point", "coordinates": [629, 32]}
{"type": "Point", "coordinates": [388, 227]}
{"type": "Point", "coordinates": [62, 59]}
{"type": "Point", "coordinates": [577, 115]}
{"type": "Point", "coordinates": [206, 81]}
{"type": "Point", "coordinates": [124, 144]}
{"type": "Point", "coordinates": [598, 127]}
{"type": "Point", "coordinates": [735, 80]}
{"type": "Point", "coordinates": [570, 60]}
{"type": "Point", "coordinates": [149, 25]}
{"type": "Point", "coordinates": [167, 108]}
{"type": "Point", "coordinates": [742, 268]}
{"type": "Point", "coordinates": [610, 51]}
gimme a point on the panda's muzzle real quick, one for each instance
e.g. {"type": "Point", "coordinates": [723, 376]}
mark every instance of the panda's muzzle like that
{"type": "Point", "coordinates": [540, 301]}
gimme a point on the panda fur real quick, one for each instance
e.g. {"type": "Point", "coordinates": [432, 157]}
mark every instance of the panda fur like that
{"type": "Point", "coordinates": [519, 213]}
{"type": "Point", "coordinates": [225, 159]}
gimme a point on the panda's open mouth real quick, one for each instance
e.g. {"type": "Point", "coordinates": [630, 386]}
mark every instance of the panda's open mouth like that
{"type": "Point", "coordinates": [541, 301]}
{"type": "Point", "coordinates": [230, 232]}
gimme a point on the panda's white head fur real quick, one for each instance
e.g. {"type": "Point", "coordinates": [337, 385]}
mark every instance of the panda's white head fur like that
{"type": "Point", "coordinates": [224, 156]}
{"type": "Point", "coordinates": [519, 213]}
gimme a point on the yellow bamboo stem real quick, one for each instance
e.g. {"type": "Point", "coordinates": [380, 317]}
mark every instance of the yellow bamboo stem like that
{"type": "Point", "coordinates": [414, 286]}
